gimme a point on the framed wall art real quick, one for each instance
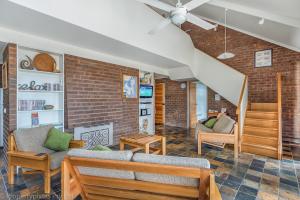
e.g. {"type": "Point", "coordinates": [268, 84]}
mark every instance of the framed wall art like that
{"type": "Point", "coordinates": [263, 58]}
{"type": "Point", "coordinates": [130, 86]}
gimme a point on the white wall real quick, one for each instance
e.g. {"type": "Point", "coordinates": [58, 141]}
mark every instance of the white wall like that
{"type": "Point", "coordinates": [181, 73]}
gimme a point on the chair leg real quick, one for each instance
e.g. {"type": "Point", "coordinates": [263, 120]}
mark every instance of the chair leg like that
{"type": "Point", "coordinates": [199, 144]}
{"type": "Point", "coordinates": [236, 142]}
{"type": "Point", "coordinates": [47, 180]}
{"type": "Point", "coordinates": [11, 173]}
{"type": "Point", "coordinates": [236, 151]}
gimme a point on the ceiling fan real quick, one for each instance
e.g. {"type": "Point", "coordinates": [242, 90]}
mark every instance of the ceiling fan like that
{"type": "Point", "coordinates": [179, 14]}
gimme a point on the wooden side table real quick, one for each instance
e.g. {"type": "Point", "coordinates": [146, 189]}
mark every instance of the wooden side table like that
{"type": "Point", "coordinates": [142, 142]}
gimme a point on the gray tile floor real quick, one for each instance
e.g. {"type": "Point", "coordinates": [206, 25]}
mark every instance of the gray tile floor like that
{"type": "Point", "coordinates": [250, 178]}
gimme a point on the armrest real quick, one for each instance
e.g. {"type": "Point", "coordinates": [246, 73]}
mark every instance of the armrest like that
{"type": "Point", "coordinates": [76, 144]}
{"type": "Point", "coordinates": [27, 155]}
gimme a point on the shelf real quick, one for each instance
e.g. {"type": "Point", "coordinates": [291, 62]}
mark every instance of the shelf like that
{"type": "Point", "coordinates": [40, 91]}
{"type": "Point", "coordinates": [54, 124]}
{"type": "Point", "coordinates": [55, 98]}
{"type": "Point", "coordinates": [41, 72]}
{"type": "Point", "coordinates": [29, 111]}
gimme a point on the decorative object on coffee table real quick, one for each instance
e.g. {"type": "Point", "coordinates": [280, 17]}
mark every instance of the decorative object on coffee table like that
{"type": "Point", "coordinates": [143, 142]}
{"type": "Point", "coordinates": [44, 62]}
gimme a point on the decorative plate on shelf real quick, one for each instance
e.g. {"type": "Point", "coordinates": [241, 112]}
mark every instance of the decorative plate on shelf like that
{"type": "Point", "coordinates": [44, 62]}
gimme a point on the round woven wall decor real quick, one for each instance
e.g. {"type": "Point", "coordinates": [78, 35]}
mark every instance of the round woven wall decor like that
{"type": "Point", "coordinates": [44, 62]}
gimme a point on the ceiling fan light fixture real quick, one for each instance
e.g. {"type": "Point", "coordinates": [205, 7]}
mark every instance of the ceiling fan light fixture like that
{"type": "Point", "coordinates": [178, 16]}
{"type": "Point", "coordinates": [225, 55]}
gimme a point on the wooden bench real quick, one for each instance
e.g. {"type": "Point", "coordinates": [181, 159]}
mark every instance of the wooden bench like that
{"type": "Point", "coordinates": [97, 187]}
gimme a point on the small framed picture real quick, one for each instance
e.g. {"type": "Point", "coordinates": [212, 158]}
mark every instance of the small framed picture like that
{"type": "Point", "coordinates": [263, 58]}
{"type": "Point", "coordinates": [4, 75]}
{"type": "Point", "coordinates": [217, 97]}
{"type": "Point", "coordinates": [130, 86]}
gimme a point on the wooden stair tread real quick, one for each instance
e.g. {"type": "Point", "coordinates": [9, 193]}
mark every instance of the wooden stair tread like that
{"type": "Point", "coordinates": [262, 111]}
{"type": "Point", "coordinates": [254, 119]}
{"type": "Point", "coordinates": [265, 129]}
{"type": "Point", "coordinates": [262, 137]}
{"type": "Point", "coordinates": [260, 146]}
{"type": "Point", "coordinates": [265, 123]}
{"type": "Point", "coordinates": [264, 106]}
{"type": "Point", "coordinates": [260, 131]}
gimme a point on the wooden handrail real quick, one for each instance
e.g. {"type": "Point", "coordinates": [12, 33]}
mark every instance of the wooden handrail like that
{"type": "Point", "coordinates": [279, 110]}
{"type": "Point", "coordinates": [241, 95]}
{"type": "Point", "coordinates": [238, 113]}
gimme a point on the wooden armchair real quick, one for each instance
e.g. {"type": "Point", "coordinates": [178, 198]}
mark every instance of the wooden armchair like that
{"type": "Point", "coordinates": [46, 162]}
{"type": "Point", "coordinates": [229, 135]}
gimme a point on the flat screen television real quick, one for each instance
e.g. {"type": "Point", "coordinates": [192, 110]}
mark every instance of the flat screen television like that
{"type": "Point", "coordinates": [146, 91]}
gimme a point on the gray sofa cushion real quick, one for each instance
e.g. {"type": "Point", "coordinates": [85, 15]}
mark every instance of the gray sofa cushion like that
{"type": "Point", "coordinates": [224, 124]}
{"type": "Point", "coordinates": [104, 155]}
{"type": "Point", "coordinates": [32, 139]}
{"type": "Point", "coordinates": [169, 160]}
{"type": "Point", "coordinates": [56, 158]}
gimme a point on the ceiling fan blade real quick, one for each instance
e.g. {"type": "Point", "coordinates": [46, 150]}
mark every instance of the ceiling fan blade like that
{"type": "Point", "coordinates": [162, 25]}
{"type": "Point", "coordinates": [199, 22]}
{"type": "Point", "coordinates": [158, 4]}
{"type": "Point", "coordinates": [194, 4]}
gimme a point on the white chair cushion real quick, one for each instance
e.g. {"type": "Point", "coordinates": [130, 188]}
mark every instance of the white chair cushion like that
{"type": "Point", "coordinates": [224, 125]}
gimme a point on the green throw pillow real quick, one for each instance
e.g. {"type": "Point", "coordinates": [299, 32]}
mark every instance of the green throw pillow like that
{"type": "Point", "coordinates": [210, 123]}
{"type": "Point", "coordinates": [101, 148]}
{"type": "Point", "coordinates": [58, 140]}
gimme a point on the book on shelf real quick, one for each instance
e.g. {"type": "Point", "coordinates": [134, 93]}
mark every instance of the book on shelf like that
{"type": "Point", "coordinates": [35, 119]}
{"type": "Point", "coordinates": [28, 105]}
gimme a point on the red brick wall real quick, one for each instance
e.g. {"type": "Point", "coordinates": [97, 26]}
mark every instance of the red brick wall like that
{"type": "Point", "coordinates": [175, 103]}
{"type": "Point", "coordinates": [262, 81]}
{"type": "Point", "coordinates": [94, 95]}
{"type": "Point", "coordinates": [9, 94]}
{"type": "Point", "coordinates": [218, 105]}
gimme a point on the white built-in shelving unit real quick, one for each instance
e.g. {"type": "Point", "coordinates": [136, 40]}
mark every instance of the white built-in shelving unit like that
{"type": "Point", "coordinates": [53, 116]}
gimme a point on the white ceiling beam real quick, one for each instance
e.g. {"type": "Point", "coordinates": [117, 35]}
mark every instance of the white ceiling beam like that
{"type": "Point", "coordinates": [256, 12]}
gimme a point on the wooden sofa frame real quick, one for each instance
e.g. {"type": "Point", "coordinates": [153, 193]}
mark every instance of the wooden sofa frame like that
{"type": "Point", "coordinates": [38, 163]}
{"type": "Point", "coordinates": [97, 188]}
{"type": "Point", "coordinates": [230, 138]}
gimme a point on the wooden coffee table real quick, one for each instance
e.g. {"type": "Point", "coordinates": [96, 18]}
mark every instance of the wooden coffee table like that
{"type": "Point", "coordinates": [142, 142]}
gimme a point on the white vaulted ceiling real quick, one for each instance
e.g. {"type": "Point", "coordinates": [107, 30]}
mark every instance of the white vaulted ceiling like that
{"type": "Point", "coordinates": [116, 31]}
{"type": "Point", "coordinates": [282, 18]}
{"type": "Point", "coordinates": [114, 28]}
